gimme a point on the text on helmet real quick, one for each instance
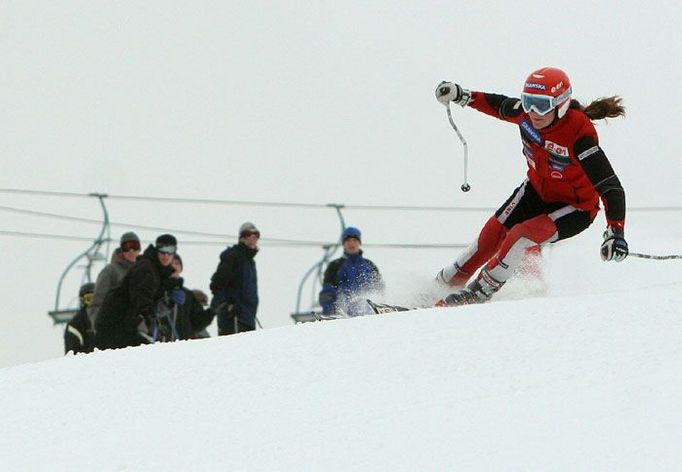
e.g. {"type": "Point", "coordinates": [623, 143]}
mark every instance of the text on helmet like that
{"type": "Point", "coordinates": [558, 86]}
{"type": "Point", "coordinates": [533, 85]}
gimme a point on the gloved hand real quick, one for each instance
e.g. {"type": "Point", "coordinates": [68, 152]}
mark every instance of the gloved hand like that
{"type": "Point", "coordinates": [327, 299]}
{"type": "Point", "coordinates": [614, 247]}
{"type": "Point", "coordinates": [177, 296]}
{"type": "Point", "coordinates": [219, 298]}
{"type": "Point", "coordinates": [232, 310]}
{"type": "Point", "coordinates": [447, 92]}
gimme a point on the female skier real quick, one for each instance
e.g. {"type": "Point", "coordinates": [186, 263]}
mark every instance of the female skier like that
{"type": "Point", "coordinates": [567, 175]}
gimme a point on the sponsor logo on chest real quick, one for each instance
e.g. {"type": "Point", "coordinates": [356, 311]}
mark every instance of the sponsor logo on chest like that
{"type": "Point", "coordinates": [555, 149]}
{"type": "Point", "coordinates": [531, 133]}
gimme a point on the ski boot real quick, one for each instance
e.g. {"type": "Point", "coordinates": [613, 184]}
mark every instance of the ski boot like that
{"type": "Point", "coordinates": [479, 291]}
{"type": "Point", "coordinates": [452, 276]}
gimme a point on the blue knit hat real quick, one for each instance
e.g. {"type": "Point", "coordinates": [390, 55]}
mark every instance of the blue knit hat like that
{"type": "Point", "coordinates": [351, 232]}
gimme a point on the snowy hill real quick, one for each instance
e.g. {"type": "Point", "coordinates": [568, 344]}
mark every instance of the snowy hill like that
{"type": "Point", "coordinates": [554, 383]}
{"type": "Point", "coordinates": [312, 103]}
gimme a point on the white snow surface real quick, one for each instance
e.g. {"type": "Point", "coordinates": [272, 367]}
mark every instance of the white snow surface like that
{"type": "Point", "coordinates": [554, 381]}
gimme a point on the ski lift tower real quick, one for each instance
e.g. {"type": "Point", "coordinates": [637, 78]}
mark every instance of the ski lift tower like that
{"type": "Point", "coordinates": [91, 255]}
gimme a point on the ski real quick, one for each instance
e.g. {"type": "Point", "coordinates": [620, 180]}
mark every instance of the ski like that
{"type": "Point", "coordinates": [381, 308]}
{"type": "Point", "coordinates": [337, 315]}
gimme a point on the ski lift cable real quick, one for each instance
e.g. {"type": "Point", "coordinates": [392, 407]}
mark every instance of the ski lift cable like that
{"type": "Point", "coordinates": [223, 237]}
{"type": "Point", "coordinates": [203, 201]}
{"type": "Point", "coordinates": [273, 243]}
{"type": "Point", "coordinates": [127, 225]}
{"type": "Point", "coordinates": [44, 192]}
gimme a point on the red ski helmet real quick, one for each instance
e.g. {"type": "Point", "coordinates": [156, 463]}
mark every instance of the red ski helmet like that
{"type": "Point", "coordinates": [546, 89]}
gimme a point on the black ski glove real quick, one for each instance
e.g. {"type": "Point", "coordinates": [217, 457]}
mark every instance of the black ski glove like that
{"type": "Point", "coordinates": [614, 247]}
{"type": "Point", "coordinates": [447, 92]}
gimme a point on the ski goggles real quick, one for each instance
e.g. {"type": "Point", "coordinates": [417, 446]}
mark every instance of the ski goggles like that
{"type": "Point", "coordinates": [542, 104]}
{"type": "Point", "coordinates": [248, 234]}
{"type": "Point", "coordinates": [130, 246]}
{"type": "Point", "coordinates": [167, 249]}
{"type": "Point", "coordinates": [87, 298]}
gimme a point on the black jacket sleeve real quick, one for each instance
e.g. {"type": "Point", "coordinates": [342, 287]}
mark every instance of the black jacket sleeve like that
{"type": "Point", "coordinates": [330, 274]}
{"type": "Point", "coordinates": [144, 284]}
{"type": "Point", "coordinates": [497, 105]}
{"type": "Point", "coordinates": [507, 107]}
{"type": "Point", "coordinates": [605, 181]}
{"type": "Point", "coordinates": [224, 274]}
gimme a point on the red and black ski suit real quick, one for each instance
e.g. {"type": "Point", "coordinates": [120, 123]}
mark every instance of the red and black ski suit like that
{"type": "Point", "coordinates": [568, 173]}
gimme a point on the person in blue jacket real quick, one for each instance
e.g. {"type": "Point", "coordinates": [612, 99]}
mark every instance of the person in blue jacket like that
{"type": "Point", "coordinates": [348, 279]}
{"type": "Point", "coordinates": [235, 284]}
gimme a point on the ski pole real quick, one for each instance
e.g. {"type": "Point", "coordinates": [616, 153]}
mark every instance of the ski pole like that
{"type": "Point", "coordinates": [658, 258]}
{"type": "Point", "coordinates": [174, 330]}
{"type": "Point", "coordinates": [465, 186]}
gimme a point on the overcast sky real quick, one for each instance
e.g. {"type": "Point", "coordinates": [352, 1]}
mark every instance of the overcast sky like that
{"type": "Point", "coordinates": [293, 102]}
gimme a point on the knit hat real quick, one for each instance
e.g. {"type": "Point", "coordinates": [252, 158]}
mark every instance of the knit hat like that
{"type": "Point", "coordinates": [248, 227]}
{"type": "Point", "coordinates": [86, 288]}
{"type": "Point", "coordinates": [351, 232]}
{"type": "Point", "coordinates": [166, 243]}
{"type": "Point", "coordinates": [129, 236]}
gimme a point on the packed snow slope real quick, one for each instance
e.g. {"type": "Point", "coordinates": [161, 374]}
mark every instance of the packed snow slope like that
{"type": "Point", "coordinates": [553, 382]}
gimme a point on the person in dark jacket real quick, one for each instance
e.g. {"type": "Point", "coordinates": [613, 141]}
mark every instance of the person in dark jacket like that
{"type": "Point", "coordinates": [79, 335]}
{"type": "Point", "coordinates": [235, 284]}
{"type": "Point", "coordinates": [128, 309]}
{"type": "Point", "coordinates": [110, 277]}
{"type": "Point", "coordinates": [348, 279]}
{"type": "Point", "coordinates": [202, 300]}
{"type": "Point", "coordinates": [192, 318]}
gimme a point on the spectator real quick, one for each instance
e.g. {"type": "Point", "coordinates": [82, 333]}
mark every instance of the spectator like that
{"type": "Point", "coordinates": [348, 279]}
{"type": "Point", "coordinates": [110, 277]}
{"type": "Point", "coordinates": [235, 284]}
{"type": "Point", "coordinates": [128, 309]}
{"type": "Point", "coordinates": [202, 299]}
{"type": "Point", "coordinates": [192, 318]}
{"type": "Point", "coordinates": [79, 335]}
